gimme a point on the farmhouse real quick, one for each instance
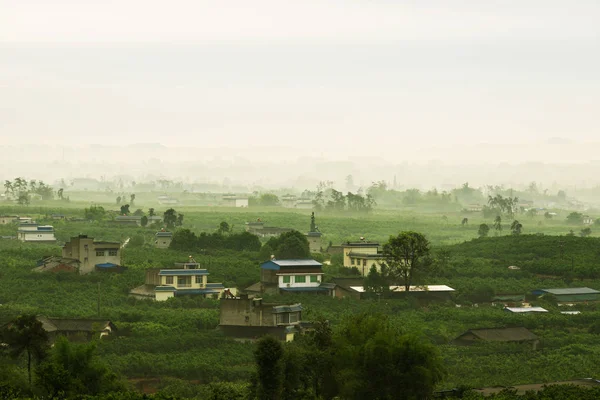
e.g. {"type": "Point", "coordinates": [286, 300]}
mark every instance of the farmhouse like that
{"type": "Point", "coordinates": [162, 239]}
{"type": "Point", "coordinates": [57, 264]}
{"type": "Point", "coordinates": [76, 329]}
{"type": "Point", "coordinates": [514, 335]}
{"type": "Point", "coordinates": [93, 255]}
{"type": "Point", "coordinates": [232, 200]}
{"type": "Point", "coordinates": [258, 228]}
{"type": "Point", "coordinates": [288, 201]}
{"type": "Point", "coordinates": [8, 219]}
{"type": "Point", "coordinates": [362, 255]}
{"type": "Point", "coordinates": [426, 292]}
{"type": "Point", "coordinates": [34, 233]}
{"type": "Point", "coordinates": [186, 279]}
{"type": "Point", "coordinates": [135, 220]}
{"type": "Point", "coordinates": [291, 276]}
{"type": "Point", "coordinates": [164, 199]}
{"type": "Point", "coordinates": [251, 318]}
{"type": "Point", "coordinates": [570, 295]}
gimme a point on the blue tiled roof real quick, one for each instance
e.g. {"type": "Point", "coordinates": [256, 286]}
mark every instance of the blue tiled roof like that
{"type": "Point", "coordinates": [182, 272]}
{"type": "Point", "coordinates": [278, 264]}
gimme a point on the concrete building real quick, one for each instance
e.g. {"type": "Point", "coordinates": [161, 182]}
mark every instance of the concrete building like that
{"type": "Point", "coordinates": [423, 292]}
{"type": "Point", "coordinates": [91, 254]}
{"type": "Point", "coordinates": [259, 229]}
{"type": "Point", "coordinates": [291, 276]}
{"type": "Point", "coordinates": [76, 329]}
{"type": "Point", "coordinates": [8, 219]}
{"type": "Point", "coordinates": [162, 239]}
{"type": "Point", "coordinates": [251, 318]}
{"type": "Point", "coordinates": [185, 279]}
{"type": "Point", "coordinates": [362, 255]}
{"type": "Point", "coordinates": [288, 201]}
{"type": "Point", "coordinates": [570, 295]}
{"type": "Point", "coordinates": [232, 200]}
{"type": "Point", "coordinates": [34, 233]}
{"type": "Point", "coordinates": [136, 220]}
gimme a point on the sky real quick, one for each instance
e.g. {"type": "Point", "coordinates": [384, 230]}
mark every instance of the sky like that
{"type": "Point", "coordinates": [357, 77]}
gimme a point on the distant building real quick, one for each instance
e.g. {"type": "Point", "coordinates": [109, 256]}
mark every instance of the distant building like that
{"type": "Point", "coordinates": [135, 220]}
{"type": "Point", "coordinates": [76, 329]}
{"type": "Point", "coordinates": [258, 228]}
{"type": "Point", "coordinates": [164, 199]}
{"type": "Point", "coordinates": [162, 239]}
{"type": "Point", "coordinates": [57, 264]}
{"type": "Point", "coordinates": [232, 200]}
{"type": "Point", "coordinates": [8, 219]}
{"type": "Point", "coordinates": [426, 292]}
{"type": "Point", "coordinates": [362, 255]}
{"type": "Point", "coordinates": [474, 208]}
{"type": "Point", "coordinates": [570, 295]}
{"type": "Point", "coordinates": [506, 335]}
{"type": "Point", "coordinates": [304, 203]}
{"type": "Point", "coordinates": [34, 233]}
{"type": "Point", "coordinates": [92, 254]}
{"type": "Point", "coordinates": [314, 236]}
{"type": "Point", "coordinates": [525, 310]}
{"type": "Point", "coordinates": [251, 318]}
{"type": "Point", "coordinates": [288, 201]}
{"type": "Point", "coordinates": [587, 220]}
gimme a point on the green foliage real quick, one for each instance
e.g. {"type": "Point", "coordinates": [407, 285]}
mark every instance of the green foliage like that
{"type": "Point", "coordinates": [269, 369]}
{"type": "Point", "coordinates": [184, 239]}
{"type": "Point", "coordinates": [289, 245]}
{"type": "Point", "coordinates": [94, 213]}
{"type": "Point", "coordinates": [144, 221]}
{"type": "Point", "coordinates": [406, 257]}
{"type": "Point", "coordinates": [125, 209]}
{"type": "Point", "coordinates": [575, 218]}
{"type": "Point", "coordinates": [170, 218]}
{"type": "Point", "coordinates": [484, 230]}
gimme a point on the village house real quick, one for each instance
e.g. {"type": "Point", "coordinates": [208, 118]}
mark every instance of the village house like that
{"type": "Point", "coordinates": [166, 200]}
{"type": "Point", "coordinates": [57, 264]}
{"type": "Point", "coordinates": [8, 219]}
{"type": "Point", "coordinates": [587, 220]}
{"type": "Point", "coordinates": [251, 318]}
{"type": "Point", "coordinates": [76, 329]}
{"type": "Point", "coordinates": [424, 292]}
{"type": "Point", "coordinates": [185, 279]}
{"type": "Point", "coordinates": [135, 220]}
{"type": "Point", "coordinates": [93, 255]}
{"type": "Point", "coordinates": [525, 310]}
{"type": "Point", "coordinates": [288, 201]}
{"type": "Point", "coordinates": [291, 276]}
{"type": "Point", "coordinates": [304, 203]}
{"type": "Point", "coordinates": [34, 233]}
{"type": "Point", "coordinates": [232, 200]}
{"type": "Point", "coordinates": [506, 335]}
{"type": "Point", "coordinates": [162, 239]}
{"type": "Point", "coordinates": [259, 229]}
{"type": "Point", "coordinates": [570, 295]}
{"type": "Point", "coordinates": [362, 255]}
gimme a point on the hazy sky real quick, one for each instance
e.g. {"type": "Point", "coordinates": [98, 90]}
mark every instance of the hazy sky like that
{"type": "Point", "coordinates": [370, 76]}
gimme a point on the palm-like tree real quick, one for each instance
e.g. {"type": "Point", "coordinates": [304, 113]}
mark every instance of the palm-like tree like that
{"type": "Point", "coordinates": [26, 335]}
{"type": "Point", "coordinates": [498, 223]}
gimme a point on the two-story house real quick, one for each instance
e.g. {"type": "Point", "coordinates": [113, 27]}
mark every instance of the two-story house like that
{"type": "Point", "coordinates": [285, 276]}
{"type": "Point", "coordinates": [34, 233]}
{"type": "Point", "coordinates": [362, 255]}
{"type": "Point", "coordinates": [251, 318]}
{"type": "Point", "coordinates": [190, 279]}
{"type": "Point", "coordinates": [92, 254]}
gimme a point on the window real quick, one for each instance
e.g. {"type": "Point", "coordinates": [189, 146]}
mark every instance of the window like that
{"type": "Point", "coordinates": [283, 318]}
{"type": "Point", "coordinates": [314, 278]}
{"type": "Point", "coordinates": [300, 279]}
{"type": "Point", "coordinates": [112, 253]}
{"type": "Point", "coordinates": [169, 280]}
{"type": "Point", "coordinates": [352, 261]}
{"type": "Point", "coordinates": [287, 279]}
{"type": "Point", "coordinates": [293, 317]}
{"type": "Point", "coordinates": [99, 253]}
{"type": "Point", "coordinates": [181, 280]}
{"type": "Point", "coordinates": [199, 279]}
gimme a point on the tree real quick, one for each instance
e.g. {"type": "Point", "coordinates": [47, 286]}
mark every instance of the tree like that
{"type": "Point", "coordinates": [516, 228]}
{"type": "Point", "coordinates": [290, 245]}
{"type": "Point", "coordinates": [465, 221]}
{"type": "Point", "coordinates": [498, 224]}
{"type": "Point", "coordinates": [125, 209]}
{"type": "Point", "coordinates": [24, 198]}
{"type": "Point", "coordinates": [151, 212]}
{"type": "Point", "coordinates": [26, 335]}
{"type": "Point", "coordinates": [132, 199]}
{"type": "Point", "coordinates": [170, 218]}
{"type": "Point", "coordinates": [575, 218]}
{"type": "Point", "coordinates": [144, 221]}
{"type": "Point", "coordinates": [94, 213]}
{"type": "Point", "coordinates": [179, 221]}
{"type": "Point", "coordinates": [60, 193]}
{"type": "Point", "coordinates": [118, 200]}
{"type": "Point", "coordinates": [223, 227]}
{"type": "Point", "coordinates": [484, 230]}
{"type": "Point", "coordinates": [269, 368]}
{"type": "Point", "coordinates": [373, 362]}
{"type": "Point", "coordinates": [532, 212]}
{"type": "Point", "coordinates": [406, 256]}
{"type": "Point", "coordinates": [184, 239]}
{"type": "Point", "coordinates": [375, 282]}
{"type": "Point", "coordinates": [547, 215]}
{"type": "Point", "coordinates": [268, 200]}
{"type": "Point", "coordinates": [585, 232]}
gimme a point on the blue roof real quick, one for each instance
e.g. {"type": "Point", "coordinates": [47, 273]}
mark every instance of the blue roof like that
{"type": "Point", "coordinates": [215, 286]}
{"type": "Point", "coordinates": [165, 289]}
{"type": "Point", "coordinates": [276, 265]}
{"type": "Point", "coordinates": [107, 265]}
{"type": "Point", "coordinates": [182, 272]}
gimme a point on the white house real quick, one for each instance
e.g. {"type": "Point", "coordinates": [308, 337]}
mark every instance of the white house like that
{"type": "Point", "coordinates": [189, 280]}
{"type": "Point", "coordinates": [35, 233]}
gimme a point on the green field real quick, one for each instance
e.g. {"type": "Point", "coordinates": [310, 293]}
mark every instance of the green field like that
{"type": "Point", "coordinates": [177, 342]}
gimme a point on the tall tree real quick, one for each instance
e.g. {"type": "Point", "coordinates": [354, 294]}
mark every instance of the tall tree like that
{"type": "Point", "coordinates": [498, 224]}
{"type": "Point", "coordinates": [26, 335]}
{"type": "Point", "coordinates": [170, 218]}
{"type": "Point", "coordinates": [269, 371]}
{"type": "Point", "coordinates": [179, 221]}
{"type": "Point", "coordinates": [516, 228]}
{"type": "Point", "coordinates": [406, 256]}
{"type": "Point", "coordinates": [484, 230]}
{"type": "Point", "coordinates": [151, 212]}
{"type": "Point", "coordinates": [132, 199]}
{"type": "Point", "coordinates": [144, 221]}
{"type": "Point", "coordinates": [125, 209]}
